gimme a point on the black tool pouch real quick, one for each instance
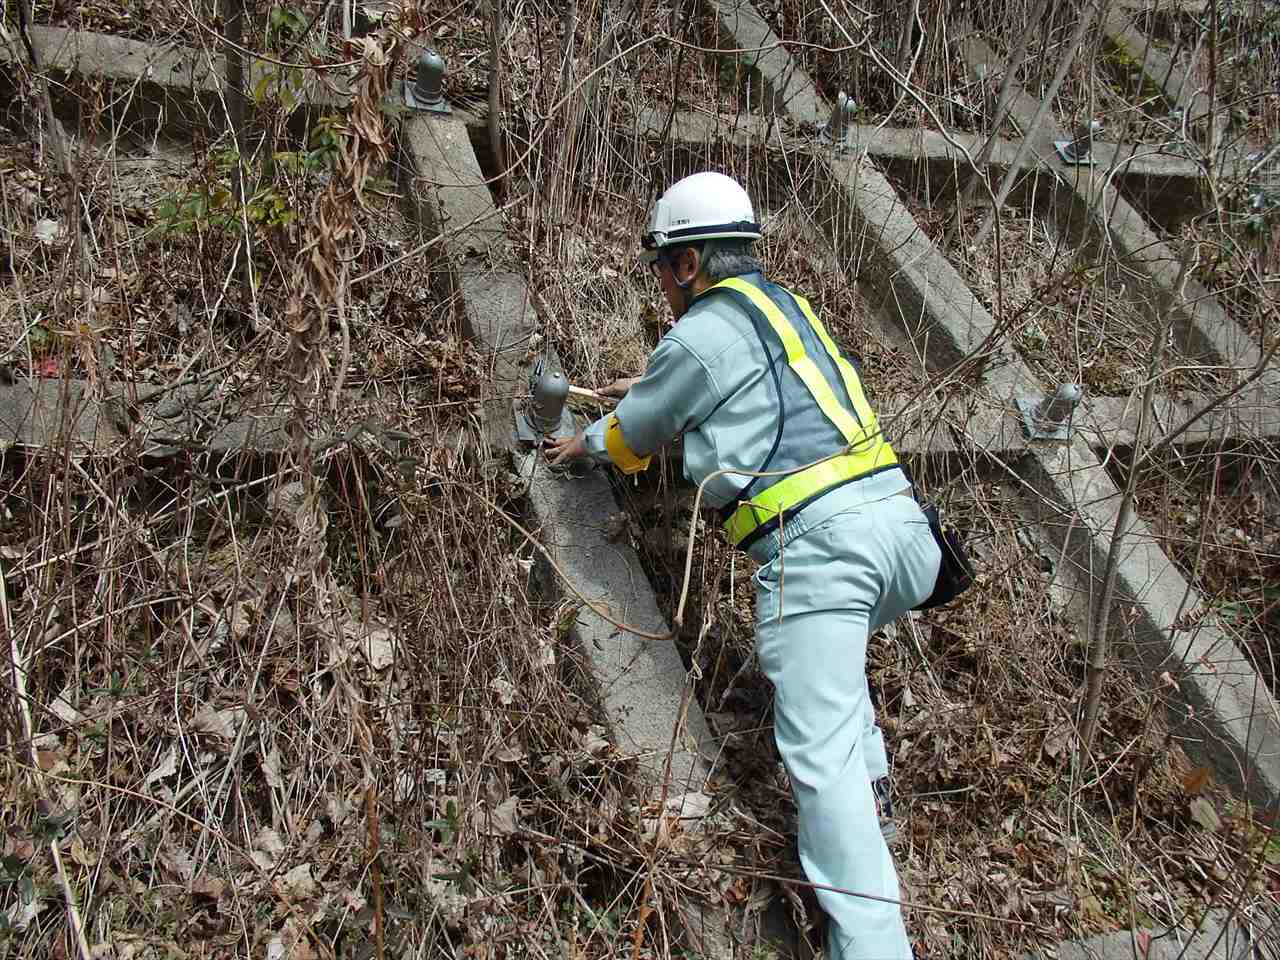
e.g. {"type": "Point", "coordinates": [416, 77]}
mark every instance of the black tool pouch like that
{"type": "Point", "coordinates": [955, 573]}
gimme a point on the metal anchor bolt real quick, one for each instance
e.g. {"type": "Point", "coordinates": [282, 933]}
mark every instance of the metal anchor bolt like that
{"type": "Point", "coordinates": [1049, 418]}
{"type": "Point", "coordinates": [427, 90]}
{"type": "Point", "coordinates": [836, 130]}
{"type": "Point", "coordinates": [544, 414]}
{"type": "Point", "coordinates": [1078, 151]}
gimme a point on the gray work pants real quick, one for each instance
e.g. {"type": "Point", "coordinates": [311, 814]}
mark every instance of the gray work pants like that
{"type": "Point", "coordinates": [843, 572]}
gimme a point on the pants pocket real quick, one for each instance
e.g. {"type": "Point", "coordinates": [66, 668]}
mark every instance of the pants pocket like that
{"type": "Point", "coordinates": [767, 589]}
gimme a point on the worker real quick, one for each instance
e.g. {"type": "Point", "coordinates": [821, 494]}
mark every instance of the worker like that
{"type": "Point", "coordinates": [753, 382]}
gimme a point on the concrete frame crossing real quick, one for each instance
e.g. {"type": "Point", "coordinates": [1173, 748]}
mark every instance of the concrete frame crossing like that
{"type": "Point", "coordinates": [937, 308]}
{"type": "Point", "coordinates": [1066, 486]}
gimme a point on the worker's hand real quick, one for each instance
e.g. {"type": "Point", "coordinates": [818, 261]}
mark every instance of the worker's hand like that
{"type": "Point", "coordinates": [563, 449]}
{"type": "Point", "coordinates": [618, 388]}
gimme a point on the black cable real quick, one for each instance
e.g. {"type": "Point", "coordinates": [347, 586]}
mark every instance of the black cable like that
{"type": "Point", "coordinates": [782, 412]}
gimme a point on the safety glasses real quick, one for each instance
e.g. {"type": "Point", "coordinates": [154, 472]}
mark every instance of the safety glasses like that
{"type": "Point", "coordinates": [654, 260]}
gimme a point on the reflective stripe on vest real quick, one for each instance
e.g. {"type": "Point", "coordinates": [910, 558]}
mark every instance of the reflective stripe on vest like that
{"type": "Point", "coordinates": [866, 450]}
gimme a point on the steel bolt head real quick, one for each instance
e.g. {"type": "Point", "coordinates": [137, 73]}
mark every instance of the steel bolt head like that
{"type": "Point", "coordinates": [428, 86]}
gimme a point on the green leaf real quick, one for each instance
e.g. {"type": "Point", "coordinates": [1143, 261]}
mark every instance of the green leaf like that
{"type": "Point", "coordinates": [13, 867]}
{"type": "Point", "coordinates": [445, 827]}
{"type": "Point", "coordinates": [260, 89]}
{"type": "Point", "coordinates": [39, 337]}
{"type": "Point", "coordinates": [1273, 852]}
{"type": "Point", "coordinates": [53, 827]}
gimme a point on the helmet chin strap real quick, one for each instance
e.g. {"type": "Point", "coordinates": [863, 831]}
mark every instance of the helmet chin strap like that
{"type": "Point", "coordinates": [686, 286]}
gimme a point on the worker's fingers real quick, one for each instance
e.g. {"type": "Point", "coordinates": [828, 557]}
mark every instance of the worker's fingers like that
{"type": "Point", "coordinates": [558, 449]}
{"type": "Point", "coordinates": [618, 388]}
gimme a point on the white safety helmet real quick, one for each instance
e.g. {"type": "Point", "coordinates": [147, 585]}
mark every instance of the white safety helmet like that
{"type": "Point", "coordinates": [704, 206]}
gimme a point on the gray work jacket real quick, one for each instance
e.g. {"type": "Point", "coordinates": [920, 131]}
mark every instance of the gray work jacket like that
{"type": "Point", "coordinates": [710, 380]}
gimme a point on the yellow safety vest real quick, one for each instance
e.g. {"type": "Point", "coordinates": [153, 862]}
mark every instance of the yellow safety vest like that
{"type": "Point", "coordinates": [866, 450]}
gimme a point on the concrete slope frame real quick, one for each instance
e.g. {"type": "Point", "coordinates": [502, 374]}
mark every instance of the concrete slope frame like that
{"type": "Point", "coordinates": [641, 682]}
{"type": "Point", "coordinates": [1204, 327]}
{"type": "Point", "coordinates": [1075, 498]}
{"type": "Point", "coordinates": [937, 308]}
{"type": "Point", "coordinates": [454, 198]}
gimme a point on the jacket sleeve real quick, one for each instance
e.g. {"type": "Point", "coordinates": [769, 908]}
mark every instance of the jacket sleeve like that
{"type": "Point", "coordinates": [677, 392]}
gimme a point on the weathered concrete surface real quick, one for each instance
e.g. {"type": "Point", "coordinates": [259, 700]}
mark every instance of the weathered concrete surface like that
{"type": "Point", "coordinates": [641, 681]}
{"type": "Point", "coordinates": [987, 66]}
{"type": "Point", "coordinates": [936, 162]}
{"type": "Point", "coordinates": [171, 87]}
{"type": "Point", "coordinates": [1177, 82]}
{"type": "Point", "coordinates": [1250, 417]}
{"type": "Point", "coordinates": [1234, 723]}
{"type": "Point", "coordinates": [48, 413]}
{"type": "Point", "coordinates": [787, 88]}
{"type": "Point", "coordinates": [932, 163]}
{"type": "Point", "coordinates": [1215, 939]}
{"type": "Point", "coordinates": [937, 308]}
{"type": "Point", "coordinates": [920, 288]}
{"type": "Point", "coordinates": [450, 200]}
{"type": "Point", "coordinates": [1204, 329]}
{"type": "Point", "coordinates": [451, 189]}
{"type": "Point", "coordinates": [1102, 422]}
{"type": "Point", "coordinates": [53, 412]}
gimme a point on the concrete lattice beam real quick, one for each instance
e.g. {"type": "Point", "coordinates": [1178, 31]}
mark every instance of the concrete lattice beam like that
{"type": "Point", "coordinates": [937, 309]}
{"type": "Point", "coordinates": [170, 87]}
{"type": "Point", "coordinates": [1238, 714]}
{"type": "Point", "coordinates": [641, 681]}
{"type": "Point", "coordinates": [1076, 500]}
{"type": "Point", "coordinates": [1169, 187]}
{"type": "Point", "coordinates": [1205, 329]}
{"type": "Point", "coordinates": [1176, 82]}
{"type": "Point", "coordinates": [788, 91]}
{"type": "Point", "coordinates": [53, 414]}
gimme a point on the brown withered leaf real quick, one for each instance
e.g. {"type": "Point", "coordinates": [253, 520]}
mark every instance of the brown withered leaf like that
{"type": "Point", "coordinates": [1195, 781]}
{"type": "Point", "coordinates": [1203, 813]}
{"type": "Point", "coordinates": [208, 887]}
